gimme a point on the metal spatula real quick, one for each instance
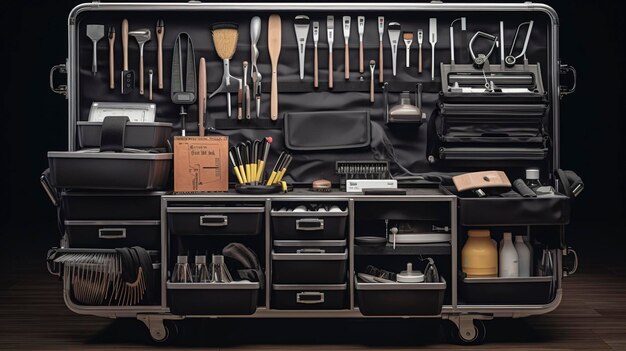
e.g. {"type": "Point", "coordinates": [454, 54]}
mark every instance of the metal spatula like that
{"type": "Point", "coordinates": [95, 32]}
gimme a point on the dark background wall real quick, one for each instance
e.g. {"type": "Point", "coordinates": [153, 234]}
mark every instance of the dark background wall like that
{"type": "Point", "coordinates": [35, 38]}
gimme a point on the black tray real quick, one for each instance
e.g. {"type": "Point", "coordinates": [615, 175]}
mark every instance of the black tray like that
{"type": "Point", "coordinates": [137, 135]}
{"type": "Point", "coordinates": [400, 299]}
{"type": "Point", "coordinates": [310, 297]}
{"type": "Point", "coordinates": [215, 220]}
{"type": "Point", "coordinates": [111, 206]}
{"type": "Point", "coordinates": [507, 291]}
{"type": "Point", "coordinates": [237, 298]}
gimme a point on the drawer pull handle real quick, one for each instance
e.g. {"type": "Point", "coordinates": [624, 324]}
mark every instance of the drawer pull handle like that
{"type": "Point", "coordinates": [310, 297]}
{"type": "Point", "coordinates": [213, 221]}
{"type": "Point", "coordinates": [112, 233]}
{"type": "Point", "coordinates": [310, 224]}
{"type": "Point", "coordinates": [311, 251]}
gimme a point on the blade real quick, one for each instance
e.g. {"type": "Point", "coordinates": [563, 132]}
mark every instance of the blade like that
{"type": "Point", "coordinates": [330, 28]}
{"type": "Point", "coordinates": [381, 27]}
{"type": "Point", "coordinates": [316, 32]}
{"type": "Point", "coordinates": [346, 28]}
{"type": "Point", "coordinates": [361, 24]}
{"type": "Point", "coordinates": [432, 39]}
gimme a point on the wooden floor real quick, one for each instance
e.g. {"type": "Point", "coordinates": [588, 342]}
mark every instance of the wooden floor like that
{"type": "Point", "coordinates": [592, 316]}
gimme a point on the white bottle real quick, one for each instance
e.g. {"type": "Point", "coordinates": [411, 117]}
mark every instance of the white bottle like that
{"type": "Point", "coordinates": [509, 267]}
{"type": "Point", "coordinates": [532, 255]}
{"type": "Point", "coordinates": [523, 256]}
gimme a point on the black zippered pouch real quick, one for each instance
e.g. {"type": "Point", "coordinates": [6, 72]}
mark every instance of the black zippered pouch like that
{"type": "Point", "coordinates": [327, 130]}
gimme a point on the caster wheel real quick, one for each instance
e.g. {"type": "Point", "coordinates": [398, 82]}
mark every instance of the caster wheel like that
{"type": "Point", "coordinates": [454, 335]}
{"type": "Point", "coordinates": [166, 335]}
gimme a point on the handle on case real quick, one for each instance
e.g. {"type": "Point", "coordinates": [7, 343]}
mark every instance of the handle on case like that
{"type": "Point", "coordinates": [112, 233]}
{"type": "Point", "coordinates": [567, 272]}
{"type": "Point", "coordinates": [310, 224]}
{"type": "Point", "coordinates": [60, 89]}
{"type": "Point", "coordinates": [213, 221]}
{"type": "Point", "coordinates": [311, 251]}
{"type": "Point", "coordinates": [310, 297]}
{"type": "Point", "coordinates": [563, 90]}
{"type": "Point", "coordinates": [45, 183]}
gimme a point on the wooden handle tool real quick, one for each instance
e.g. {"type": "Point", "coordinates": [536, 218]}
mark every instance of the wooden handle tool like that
{"type": "Point", "coordinates": [274, 37]}
{"type": "Point", "coordinates": [160, 33]}
{"type": "Point", "coordinates": [125, 44]}
{"type": "Point", "coordinates": [112, 57]}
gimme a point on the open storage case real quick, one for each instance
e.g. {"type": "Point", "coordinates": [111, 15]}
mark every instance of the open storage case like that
{"type": "Point", "coordinates": [131, 247]}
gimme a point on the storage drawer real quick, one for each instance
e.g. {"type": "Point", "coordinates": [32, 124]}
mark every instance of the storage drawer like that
{"type": "Point", "coordinates": [309, 246]}
{"type": "Point", "coordinates": [112, 206]}
{"type": "Point", "coordinates": [400, 299]}
{"type": "Point", "coordinates": [215, 220]}
{"type": "Point", "coordinates": [137, 135]}
{"type": "Point", "coordinates": [309, 225]}
{"type": "Point", "coordinates": [91, 169]}
{"type": "Point", "coordinates": [114, 234]}
{"type": "Point", "coordinates": [310, 297]}
{"type": "Point", "coordinates": [510, 211]}
{"type": "Point", "coordinates": [507, 291]}
{"type": "Point", "coordinates": [309, 268]}
{"type": "Point", "coordinates": [236, 298]}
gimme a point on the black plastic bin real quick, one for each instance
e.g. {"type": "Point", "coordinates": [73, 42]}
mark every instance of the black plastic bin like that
{"type": "Point", "coordinates": [215, 220]}
{"type": "Point", "coordinates": [137, 135]}
{"type": "Point", "coordinates": [309, 225]}
{"type": "Point", "coordinates": [510, 211]}
{"type": "Point", "coordinates": [309, 268]}
{"type": "Point", "coordinates": [507, 291]}
{"type": "Point", "coordinates": [400, 299]}
{"type": "Point", "coordinates": [235, 298]}
{"type": "Point", "coordinates": [310, 297]}
{"type": "Point", "coordinates": [112, 206]}
{"type": "Point", "coordinates": [113, 234]}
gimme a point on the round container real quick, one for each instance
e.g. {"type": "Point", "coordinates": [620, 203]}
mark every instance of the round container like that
{"type": "Point", "coordinates": [479, 257]}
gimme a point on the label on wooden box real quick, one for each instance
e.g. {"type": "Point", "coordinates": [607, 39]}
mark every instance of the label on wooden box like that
{"type": "Point", "coordinates": [200, 163]}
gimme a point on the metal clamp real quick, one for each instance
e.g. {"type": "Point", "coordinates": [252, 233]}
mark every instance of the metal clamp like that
{"type": "Point", "coordinates": [481, 59]}
{"type": "Point", "coordinates": [213, 221]}
{"type": "Point", "coordinates": [60, 89]}
{"type": "Point", "coordinates": [310, 224]}
{"type": "Point", "coordinates": [564, 90]}
{"type": "Point", "coordinates": [112, 233]}
{"type": "Point", "coordinates": [310, 297]}
{"type": "Point", "coordinates": [567, 272]}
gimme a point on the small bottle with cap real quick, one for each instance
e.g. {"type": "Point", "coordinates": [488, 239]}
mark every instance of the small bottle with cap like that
{"type": "Point", "coordinates": [532, 178]}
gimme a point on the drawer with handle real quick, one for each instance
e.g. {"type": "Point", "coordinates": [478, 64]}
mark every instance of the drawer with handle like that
{"type": "Point", "coordinates": [215, 220]}
{"type": "Point", "coordinates": [309, 225]}
{"type": "Point", "coordinates": [113, 234]}
{"type": "Point", "coordinates": [309, 297]}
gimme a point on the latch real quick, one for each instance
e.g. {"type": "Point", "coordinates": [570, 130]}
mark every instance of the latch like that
{"type": "Point", "coordinates": [565, 69]}
{"type": "Point", "coordinates": [61, 88]}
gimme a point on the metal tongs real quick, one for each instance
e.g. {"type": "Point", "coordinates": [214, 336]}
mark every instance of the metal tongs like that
{"type": "Point", "coordinates": [186, 96]}
{"type": "Point", "coordinates": [255, 33]}
{"type": "Point", "coordinates": [511, 59]}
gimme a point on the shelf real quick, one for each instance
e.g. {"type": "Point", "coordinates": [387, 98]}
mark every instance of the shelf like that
{"type": "Point", "coordinates": [405, 249]}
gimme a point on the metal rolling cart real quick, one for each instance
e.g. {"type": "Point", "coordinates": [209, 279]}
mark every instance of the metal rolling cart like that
{"type": "Point", "coordinates": [167, 223]}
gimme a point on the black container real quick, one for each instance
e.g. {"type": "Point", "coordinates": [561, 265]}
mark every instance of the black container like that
{"type": "Point", "coordinates": [309, 225]}
{"type": "Point", "coordinates": [218, 299]}
{"type": "Point", "coordinates": [400, 299]}
{"type": "Point", "coordinates": [310, 297]}
{"type": "Point", "coordinates": [114, 234]}
{"type": "Point", "coordinates": [507, 291]}
{"type": "Point", "coordinates": [510, 211]}
{"type": "Point", "coordinates": [309, 268]}
{"type": "Point", "coordinates": [215, 220]}
{"type": "Point", "coordinates": [137, 135]}
{"type": "Point", "coordinates": [111, 206]}
{"type": "Point", "coordinates": [309, 246]}
{"type": "Point", "coordinates": [91, 169]}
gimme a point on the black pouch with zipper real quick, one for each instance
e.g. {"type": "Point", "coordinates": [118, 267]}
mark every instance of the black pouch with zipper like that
{"type": "Point", "coordinates": [327, 130]}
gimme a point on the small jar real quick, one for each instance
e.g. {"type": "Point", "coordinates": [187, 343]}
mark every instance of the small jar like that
{"type": "Point", "coordinates": [479, 257]}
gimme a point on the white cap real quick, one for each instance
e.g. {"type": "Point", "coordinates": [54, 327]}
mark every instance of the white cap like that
{"type": "Point", "coordinates": [532, 173]}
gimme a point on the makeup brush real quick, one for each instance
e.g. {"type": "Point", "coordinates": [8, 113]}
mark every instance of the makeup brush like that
{"type": "Point", "coordinates": [408, 40]}
{"type": "Point", "coordinates": [225, 36]}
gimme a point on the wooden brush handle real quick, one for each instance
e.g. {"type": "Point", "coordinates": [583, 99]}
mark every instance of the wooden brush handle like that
{"type": "Point", "coordinates": [160, 34]}
{"type": "Point", "coordinates": [112, 62]}
{"type": "Point", "coordinates": [315, 69]}
{"type": "Point", "coordinates": [361, 57]}
{"type": "Point", "coordinates": [274, 94]}
{"type": "Point", "coordinates": [347, 59]}
{"type": "Point", "coordinates": [125, 44]}
{"type": "Point", "coordinates": [420, 60]}
{"type": "Point", "coordinates": [380, 63]}
{"type": "Point", "coordinates": [330, 69]}
{"type": "Point", "coordinates": [202, 87]}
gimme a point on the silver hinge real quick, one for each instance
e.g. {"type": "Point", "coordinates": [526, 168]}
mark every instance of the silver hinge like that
{"type": "Point", "coordinates": [60, 89]}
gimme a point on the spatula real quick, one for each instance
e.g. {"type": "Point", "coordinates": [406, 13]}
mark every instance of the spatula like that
{"type": "Point", "coordinates": [95, 32]}
{"type": "Point", "coordinates": [274, 37]}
